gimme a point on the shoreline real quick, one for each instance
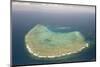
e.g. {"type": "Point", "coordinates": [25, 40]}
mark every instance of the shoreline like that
{"type": "Point", "coordinates": [57, 56]}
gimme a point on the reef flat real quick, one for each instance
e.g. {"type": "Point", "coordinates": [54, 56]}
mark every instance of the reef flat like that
{"type": "Point", "coordinates": [44, 43]}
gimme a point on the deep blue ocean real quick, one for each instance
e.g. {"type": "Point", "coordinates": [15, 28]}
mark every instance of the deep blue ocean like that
{"type": "Point", "coordinates": [24, 17]}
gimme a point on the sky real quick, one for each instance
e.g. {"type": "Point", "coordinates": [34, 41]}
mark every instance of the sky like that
{"type": "Point", "coordinates": [89, 2]}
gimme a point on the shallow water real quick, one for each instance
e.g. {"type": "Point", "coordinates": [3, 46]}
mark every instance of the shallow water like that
{"type": "Point", "coordinates": [25, 17]}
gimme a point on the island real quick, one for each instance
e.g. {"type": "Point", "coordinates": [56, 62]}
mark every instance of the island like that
{"type": "Point", "coordinates": [44, 43]}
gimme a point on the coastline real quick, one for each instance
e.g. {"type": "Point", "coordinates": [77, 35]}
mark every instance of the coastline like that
{"type": "Point", "coordinates": [40, 56]}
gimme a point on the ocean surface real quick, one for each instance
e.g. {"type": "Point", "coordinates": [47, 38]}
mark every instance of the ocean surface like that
{"type": "Point", "coordinates": [58, 18]}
